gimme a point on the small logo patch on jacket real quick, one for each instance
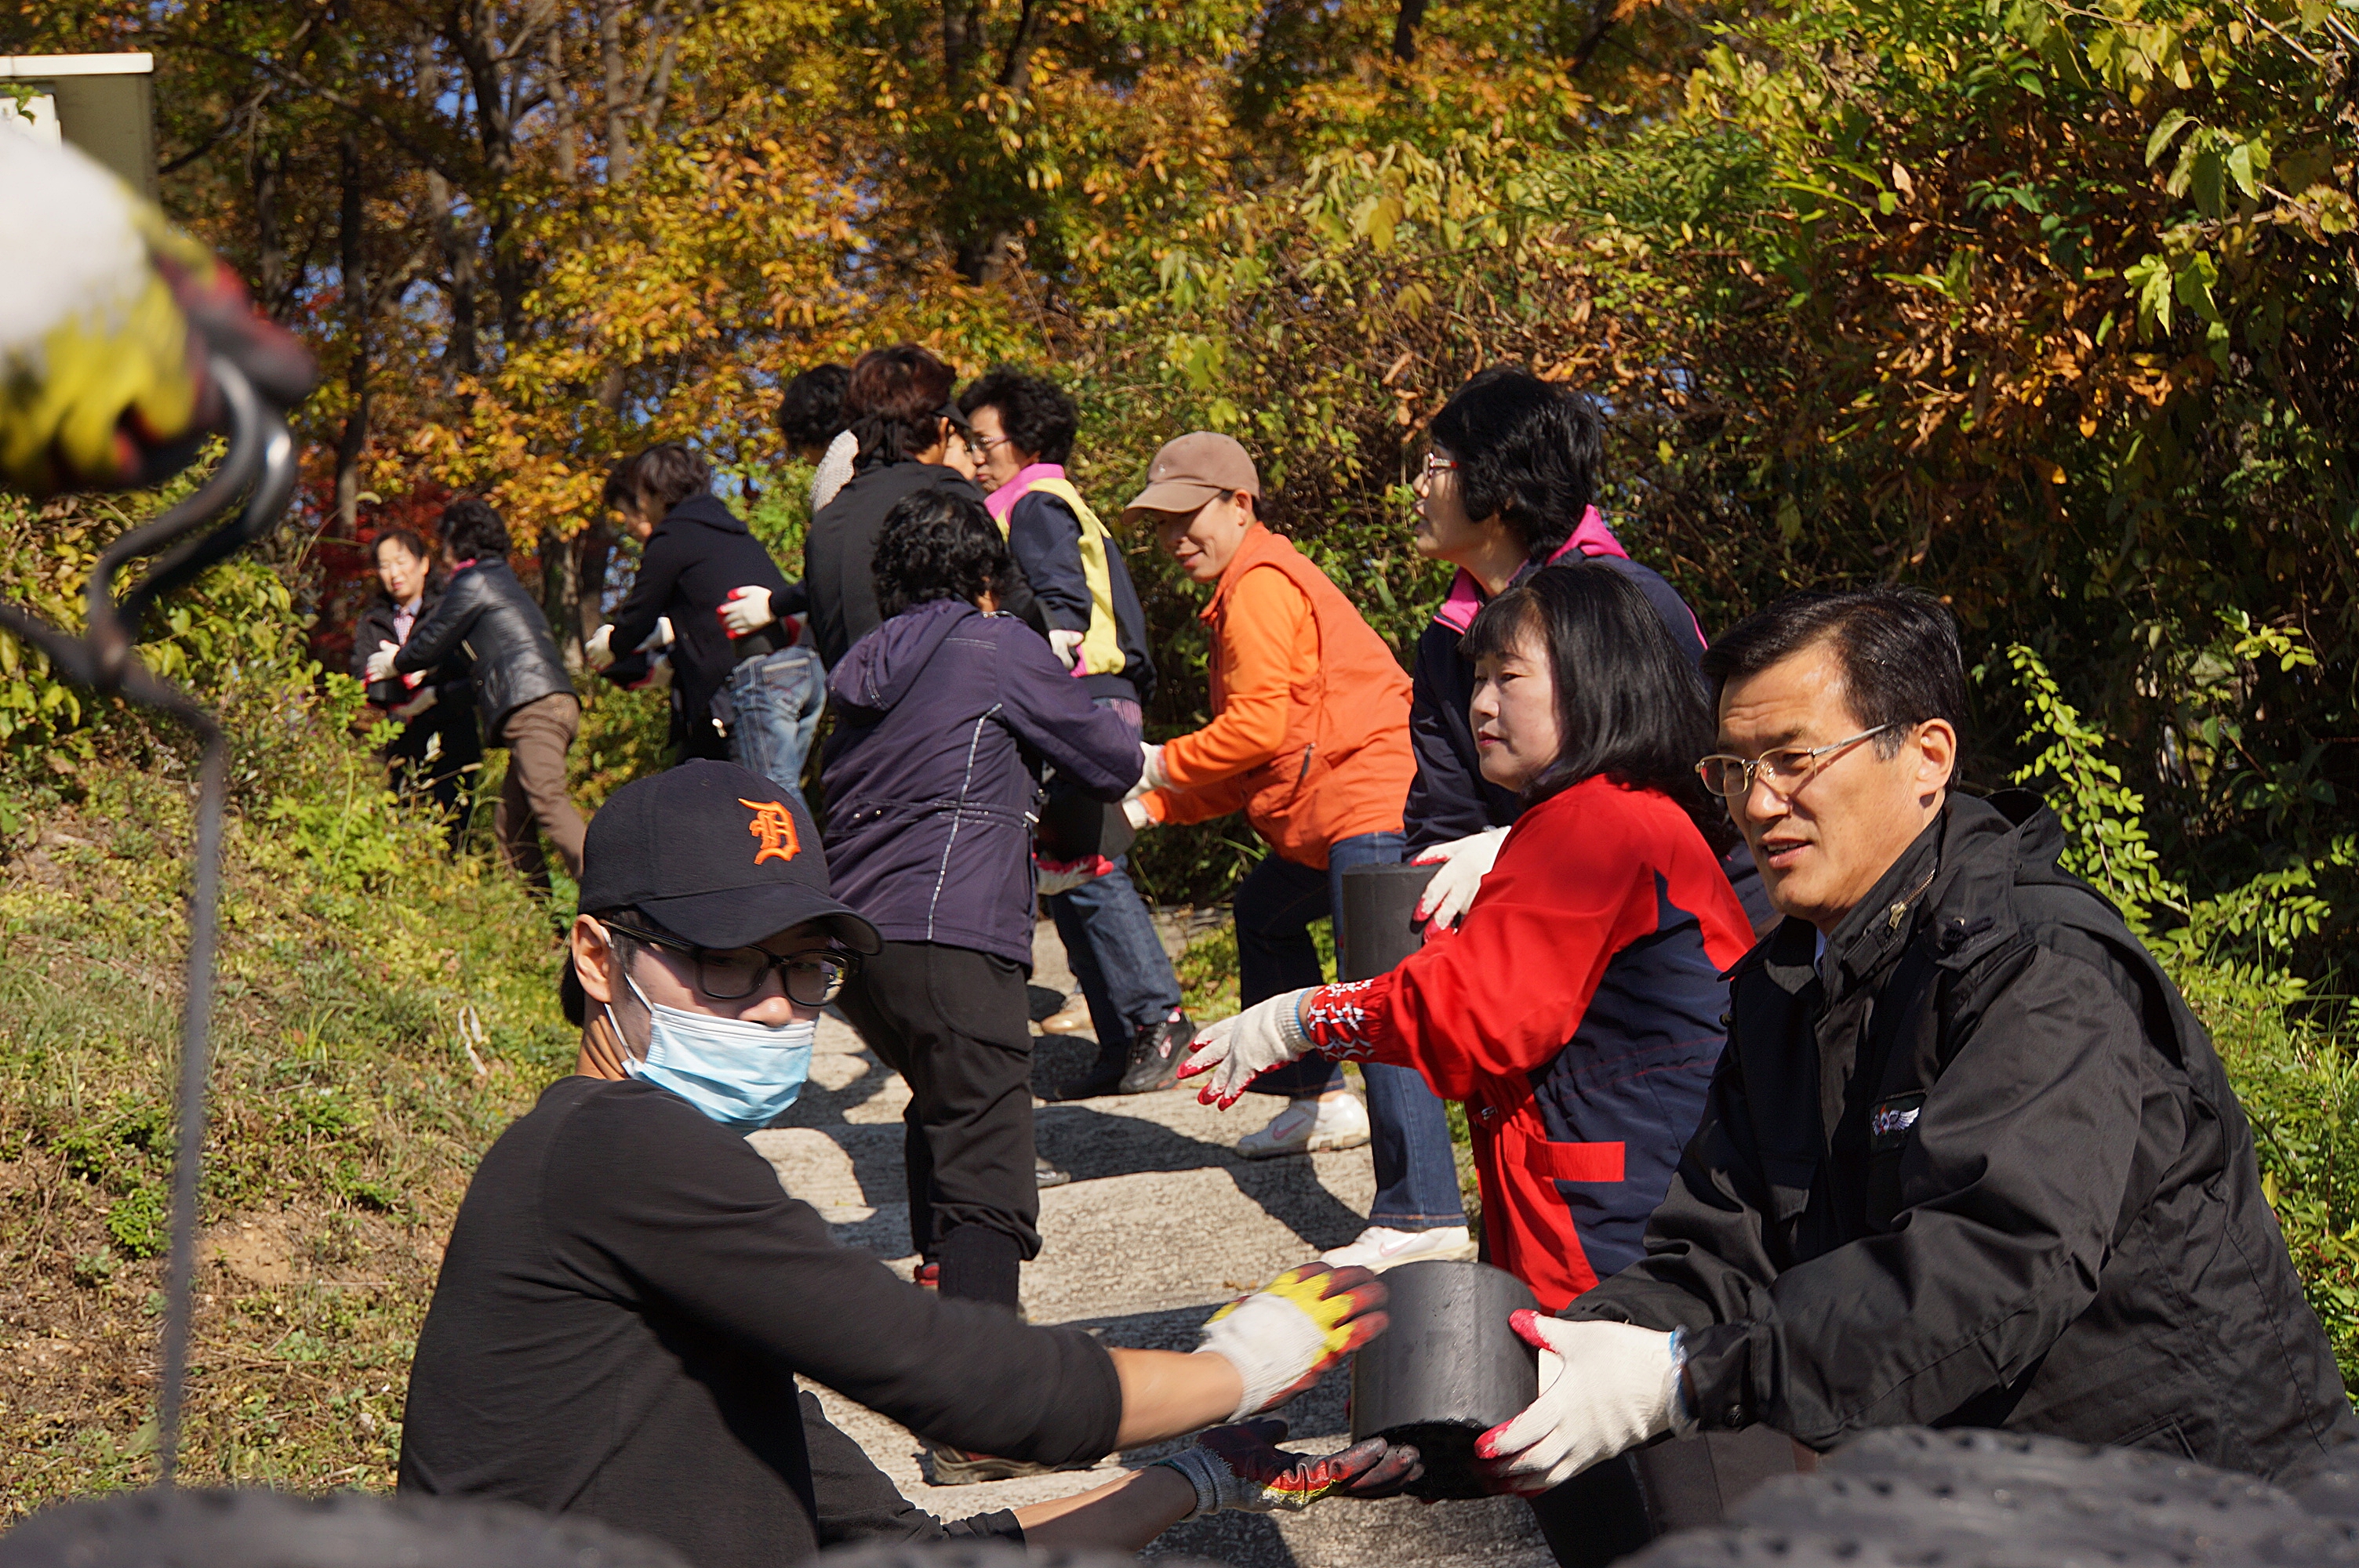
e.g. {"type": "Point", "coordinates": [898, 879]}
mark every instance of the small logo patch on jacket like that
{"type": "Point", "coordinates": [1888, 1122]}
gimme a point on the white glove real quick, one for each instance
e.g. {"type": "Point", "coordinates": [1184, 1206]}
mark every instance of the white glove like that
{"type": "Point", "coordinates": [746, 610]}
{"type": "Point", "coordinates": [1135, 812]}
{"type": "Point", "coordinates": [1464, 864]}
{"type": "Point", "coordinates": [1067, 647]}
{"type": "Point", "coordinates": [598, 651]}
{"type": "Point", "coordinates": [415, 705]}
{"type": "Point", "coordinates": [1238, 1050]}
{"type": "Point", "coordinates": [380, 664]}
{"type": "Point", "coordinates": [1281, 1337]}
{"type": "Point", "coordinates": [1154, 774]}
{"type": "Point", "coordinates": [658, 638]}
{"type": "Point", "coordinates": [1605, 1388]}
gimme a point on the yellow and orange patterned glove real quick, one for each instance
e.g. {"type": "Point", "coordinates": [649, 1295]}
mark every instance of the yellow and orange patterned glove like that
{"type": "Point", "coordinates": [1281, 1337]}
{"type": "Point", "coordinates": [1242, 1469]}
{"type": "Point", "coordinates": [106, 327]}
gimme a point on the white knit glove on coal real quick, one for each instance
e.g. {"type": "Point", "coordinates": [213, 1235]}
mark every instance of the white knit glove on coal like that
{"type": "Point", "coordinates": [1464, 864]}
{"type": "Point", "coordinates": [598, 653]}
{"type": "Point", "coordinates": [1067, 647]}
{"type": "Point", "coordinates": [1605, 1388]}
{"type": "Point", "coordinates": [1235, 1051]}
{"type": "Point", "coordinates": [380, 664]}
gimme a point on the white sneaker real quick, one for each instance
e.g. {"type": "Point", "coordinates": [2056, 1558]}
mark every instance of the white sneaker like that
{"type": "Point", "coordinates": [1308, 1126]}
{"type": "Point", "coordinates": [1380, 1247]}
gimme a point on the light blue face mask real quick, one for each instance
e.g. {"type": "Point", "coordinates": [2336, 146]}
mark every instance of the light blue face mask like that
{"type": "Point", "coordinates": [740, 1074]}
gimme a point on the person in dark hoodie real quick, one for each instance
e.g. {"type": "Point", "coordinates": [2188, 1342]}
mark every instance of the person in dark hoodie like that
{"type": "Point", "coordinates": [437, 748]}
{"type": "Point", "coordinates": [523, 696]}
{"type": "Point", "coordinates": [944, 716]}
{"type": "Point", "coordinates": [1505, 490]}
{"type": "Point", "coordinates": [748, 693]}
{"type": "Point", "coordinates": [1024, 429]}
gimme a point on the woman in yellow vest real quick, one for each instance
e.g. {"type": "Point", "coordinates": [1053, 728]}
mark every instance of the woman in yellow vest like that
{"type": "Point", "coordinates": [1024, 430]}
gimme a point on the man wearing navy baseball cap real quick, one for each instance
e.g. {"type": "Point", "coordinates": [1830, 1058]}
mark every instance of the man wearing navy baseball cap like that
{"type": "Point", "coordinates": [628, 1296]}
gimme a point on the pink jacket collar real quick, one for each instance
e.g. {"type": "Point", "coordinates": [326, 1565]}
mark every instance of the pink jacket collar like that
{"type": "Point", "coordinates": [1003, 501]}
{"type": "Point", "coordinates": [1466, 596]}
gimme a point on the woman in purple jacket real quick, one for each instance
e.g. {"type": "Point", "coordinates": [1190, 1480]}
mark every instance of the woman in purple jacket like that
{"type": "Point", "coordinates": [945, 714]}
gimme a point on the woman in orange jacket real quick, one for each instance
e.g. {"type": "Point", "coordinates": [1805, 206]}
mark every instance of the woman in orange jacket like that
{"type": "Point", "coordinates": [1309, 739]}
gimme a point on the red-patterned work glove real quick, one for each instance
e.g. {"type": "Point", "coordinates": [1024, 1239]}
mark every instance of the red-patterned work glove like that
{"type": "Point", "coordinates": [1242, 1469]}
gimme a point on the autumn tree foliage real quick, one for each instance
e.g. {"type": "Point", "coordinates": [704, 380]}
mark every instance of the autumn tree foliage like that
{"type": "Point", "coordinates": [2041, 304]}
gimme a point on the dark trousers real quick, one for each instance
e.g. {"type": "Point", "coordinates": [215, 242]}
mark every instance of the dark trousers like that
{"type": "Point", "coordinates": [447, 776]}
{"type": "Point", "coordinates": [1416, 1175]}
{"type": "Point", "coordinates": [954, 1024]}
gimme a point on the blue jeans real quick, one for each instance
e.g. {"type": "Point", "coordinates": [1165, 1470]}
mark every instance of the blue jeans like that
{"type": "Point", "coordinates": [1417, 1177]}
{"type": "Point", "coordinates": [777, 698]}
{"type": "Point", "coordinates": [1109, 941]}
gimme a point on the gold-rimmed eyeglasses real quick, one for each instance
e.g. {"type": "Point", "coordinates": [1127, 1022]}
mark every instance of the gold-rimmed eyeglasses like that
{"type": "Point", "coordinates": [1786, 769]}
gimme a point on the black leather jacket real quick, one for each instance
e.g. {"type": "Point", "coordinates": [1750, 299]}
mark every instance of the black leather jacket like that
{"type": "Point", "coordinates": [1987, 1172]}
{"type": "Point", "coordinates": [488, 612]}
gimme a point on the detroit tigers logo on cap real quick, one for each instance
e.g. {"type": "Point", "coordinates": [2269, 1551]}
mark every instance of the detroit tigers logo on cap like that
{"type": "Point", "coordinates": [774, 825]}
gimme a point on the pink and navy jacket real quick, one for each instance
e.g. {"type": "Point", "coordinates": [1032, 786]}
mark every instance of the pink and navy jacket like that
{"type": "Point", "coordinates": [1450, 798]}
{"type": "Point", "coordinates": [1579, 1013]}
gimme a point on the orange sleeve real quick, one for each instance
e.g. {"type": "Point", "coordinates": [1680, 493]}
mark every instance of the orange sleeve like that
{"type": "Point", "coordinates": [1265, 636]}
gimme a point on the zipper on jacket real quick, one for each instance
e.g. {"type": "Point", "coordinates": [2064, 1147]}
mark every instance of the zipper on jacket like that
{"type": "Point", "coordinates": [1308, 748]}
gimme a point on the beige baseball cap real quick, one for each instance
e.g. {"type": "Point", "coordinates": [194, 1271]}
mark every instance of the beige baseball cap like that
{"type": "Point", "coordinates": [1193, 469]}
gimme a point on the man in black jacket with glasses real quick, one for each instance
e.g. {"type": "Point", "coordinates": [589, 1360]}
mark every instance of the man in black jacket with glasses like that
{"type": "Point", "coordinates": [1968, 1158]}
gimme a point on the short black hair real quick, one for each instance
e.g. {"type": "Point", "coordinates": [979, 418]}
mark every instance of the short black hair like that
{"type": "Point", "coordinates": [1897, 648]}
{"type": "Point", "coordinates": [1037, 413]}
{"type": "Point", "coordinates": [622, 483]}
{"type": "Point", "coordinates": [406, 539]}
{"type": "Point", "coordinates": [473, 531]}
{"type": "Point", "coordinates": [811, 410]}
{"type": "Point", "coordinates": [938, 543]}
{"type": "Point", "coordinates": [1527, 453]}
{"type": "Point", "coordinates": [1628, 704]}
{"type": "Point", "coordinates": [669, 474]}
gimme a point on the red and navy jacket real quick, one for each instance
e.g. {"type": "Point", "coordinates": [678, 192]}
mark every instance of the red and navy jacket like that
{"type": "Point", "coordinates": [1578, 1013]}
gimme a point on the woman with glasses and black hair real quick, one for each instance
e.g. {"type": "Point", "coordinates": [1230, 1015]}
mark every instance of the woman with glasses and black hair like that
{"type": "Point", "coordinates": [944, 714]}
{"type": "Point", "coordinates": [1577, 1009]}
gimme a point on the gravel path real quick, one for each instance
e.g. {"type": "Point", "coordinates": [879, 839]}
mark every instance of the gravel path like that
{"type": "Point", "coordinates": [1161, 1223]}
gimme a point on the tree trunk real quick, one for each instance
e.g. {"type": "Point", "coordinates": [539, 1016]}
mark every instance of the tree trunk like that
{"type": "Point", "coordinates": [561, 103]}
{"type": "Point", "coordinates": [594, 550]}
{"type": "Point", "coordinates": [618, 90]}
{"type": "Point", "coordinates": [560, 595]}
{"type": "Point", "coordinates": [1405, 25]}
{"type": "Point", "coordinates": [269, 171]}
{"type": "Point", "coordinates": [353, 444]}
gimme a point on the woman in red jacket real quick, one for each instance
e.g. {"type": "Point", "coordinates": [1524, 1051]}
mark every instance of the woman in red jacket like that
{"type": "Point", "coordinates": [1577, 1009]}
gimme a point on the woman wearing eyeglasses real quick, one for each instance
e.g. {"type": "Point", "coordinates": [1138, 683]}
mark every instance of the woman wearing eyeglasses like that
{"type": "Point", "coordinates": [1577, 1009]}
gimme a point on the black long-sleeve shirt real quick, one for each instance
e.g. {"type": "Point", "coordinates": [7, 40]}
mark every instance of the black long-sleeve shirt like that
{"type": "Point", "coordinates": [698, 556]}
{"type": "Point", "coordinates": [626, 1302]}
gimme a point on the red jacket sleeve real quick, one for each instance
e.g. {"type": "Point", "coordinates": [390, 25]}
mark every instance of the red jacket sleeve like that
{"type": "Point", "coordinates": [1574, 884]}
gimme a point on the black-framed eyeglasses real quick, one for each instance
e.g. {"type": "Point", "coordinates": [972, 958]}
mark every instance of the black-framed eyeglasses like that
{"type": "Point", "coordinates": [1786, 769]}
{"type": "Point", "coordinates": [813, 978]}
